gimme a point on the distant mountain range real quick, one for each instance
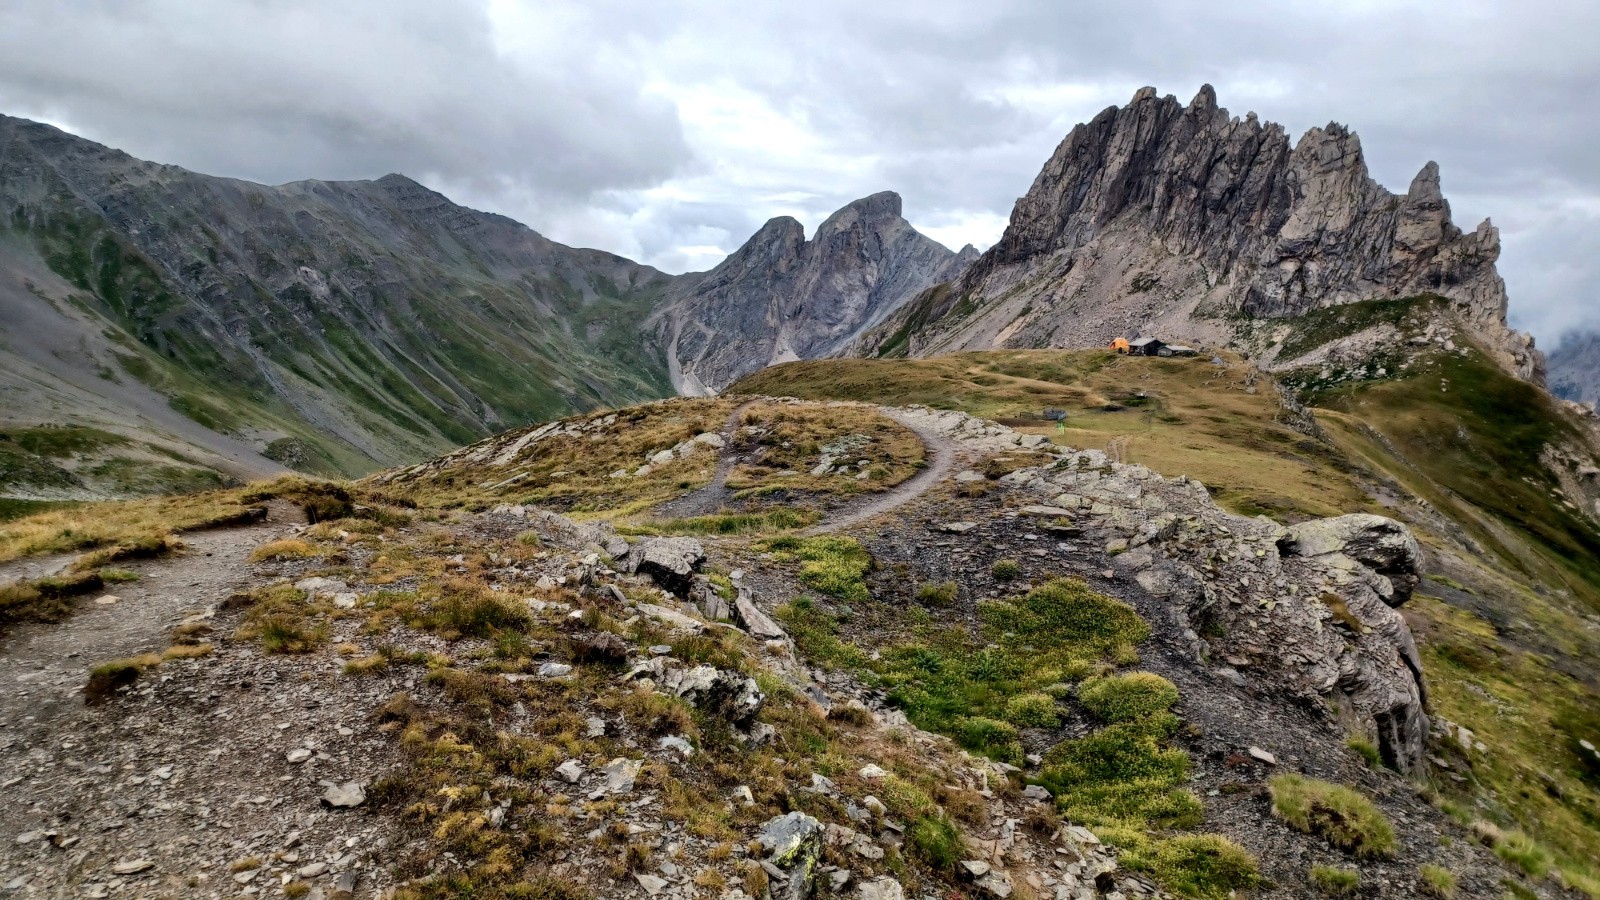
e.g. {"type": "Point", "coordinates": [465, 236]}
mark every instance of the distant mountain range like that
{"type": "Point", "coordinates": [1575, 367]}
{"type": "Point", "coordinates": [342, 326]}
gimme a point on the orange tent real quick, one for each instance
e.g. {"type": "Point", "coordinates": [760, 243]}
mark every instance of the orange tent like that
{"type": "Point", "coordinates": [1120, 345]}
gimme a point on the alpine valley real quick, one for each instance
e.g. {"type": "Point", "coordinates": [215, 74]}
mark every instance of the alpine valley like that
{"type": "Point", "coordinates": [354, 543]}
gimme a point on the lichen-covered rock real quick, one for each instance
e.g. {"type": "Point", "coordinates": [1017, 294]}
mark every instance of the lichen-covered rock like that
{"type": "Point", "coordinates": [794, 844]}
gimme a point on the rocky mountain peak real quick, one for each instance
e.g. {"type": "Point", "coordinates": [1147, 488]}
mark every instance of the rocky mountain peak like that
{"type": "Point", "coordinates": [781, 297]}
{"type": "Point", "coordinates": [884, 206]}
{"type": "Point", "coordinates": [1185, 220]}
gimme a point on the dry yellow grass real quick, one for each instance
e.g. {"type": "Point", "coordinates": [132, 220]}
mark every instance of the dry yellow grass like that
{"type": "Point", "coordinates": [1219, 424]}
{"type": "Point", "coordinates": [795, 438]}
{"type": "Point", "coordinates": [123, 522]}
{"type": "Point", "coordinates": [288, 548]}
{"type": "Point", "coordinates": [572, 474]}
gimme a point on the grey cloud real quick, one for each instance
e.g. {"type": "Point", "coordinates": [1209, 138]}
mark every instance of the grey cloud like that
{"type": "Point", "coordinates": [291, 89]}
{"type": "Point", "coordinates": [577, 117]}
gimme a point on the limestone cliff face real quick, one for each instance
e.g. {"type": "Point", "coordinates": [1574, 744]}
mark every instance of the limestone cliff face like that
{"type": "Point", "coordinates": [1176, 221]}
{"type": "Point", "coordinates": [781, 297]}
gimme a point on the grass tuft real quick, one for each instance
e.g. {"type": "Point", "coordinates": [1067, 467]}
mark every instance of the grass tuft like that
{"type": "Point", "coordinates": [106, 678]}
{"type": "Point", "coordinates": [836, 566]}
{"type": "Point", "coordinates": [1126, 698]}
{"type": "Point", "coordinates": [1343, 817]}
{"type": "Point", "coordinates": [288, 548]}
{"type": "Point", "coordinates": [1436, 882]}
{"type": "Point", "coordinates": [1206, 866]}
{"type": "Point", "coordinates": [1335, 881]}
{"type": "Point", "coordinates": [936, 841]}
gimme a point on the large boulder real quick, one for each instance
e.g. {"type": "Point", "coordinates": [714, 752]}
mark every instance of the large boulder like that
{"type": "Point", "coordinates": [671, 561]}
{"type": "Point", "coordinates": [1383, 545]}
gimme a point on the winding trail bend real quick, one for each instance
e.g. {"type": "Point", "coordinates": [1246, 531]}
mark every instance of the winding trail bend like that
{"type": "Point", "coordinates": [938, 449]}
{"type": "Point", "coordinates": [42, 664]}
{"type": "Point", "coordinates": [940, 453]}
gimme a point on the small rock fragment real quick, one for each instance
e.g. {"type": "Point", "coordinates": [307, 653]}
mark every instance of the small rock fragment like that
{"type": "Point", "coordinates": [345, 796]}
{"type": "Point", "coordinates": [621, 773]}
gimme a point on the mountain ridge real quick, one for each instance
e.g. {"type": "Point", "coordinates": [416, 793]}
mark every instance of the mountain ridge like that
{"type": "Point", "coordinates": [1177, 221]}
{"type": "Point", "coordinates": [781, 296]}
{"type": "Point", "coordinates": [367, 322]}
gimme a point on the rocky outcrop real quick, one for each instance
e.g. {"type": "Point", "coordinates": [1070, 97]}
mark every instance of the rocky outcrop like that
{"type": "Point", "coordinates": [1309, 610]}
{"type": "Point", "coordinates": [1160, 218]}
{"type": "Point", "coordinates": [671, 561]}
{"type": "Point", "coordinates": [781, 297]}
{"type": "Point", "coordinates": [1381, 544]}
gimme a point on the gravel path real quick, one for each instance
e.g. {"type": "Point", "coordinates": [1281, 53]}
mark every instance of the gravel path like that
{"type": "Point", "coordinates": [939, 450]}
{"type": "Point", "coordinates": [42, 666]}
{"type": "Point", "coordinates": [714, 496]}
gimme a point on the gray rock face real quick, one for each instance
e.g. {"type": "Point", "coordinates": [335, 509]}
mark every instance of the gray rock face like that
{"type": "Point", "coordinates": [1383, 545]}
{"type": "Point", "coordinates": [1165, 219]}
{"type": "Point", "coordinates": [671, 561]}
{"type": "Point", "coordinates": [1575, 368]}
{"type": "Point", "coordinates": [781, 297]}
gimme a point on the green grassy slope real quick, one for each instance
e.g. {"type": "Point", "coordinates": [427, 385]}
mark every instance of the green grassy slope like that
{"type": "Point", "coordinates": [1509, 622]}
{"type": "Point", "coordinates": [372, 323]}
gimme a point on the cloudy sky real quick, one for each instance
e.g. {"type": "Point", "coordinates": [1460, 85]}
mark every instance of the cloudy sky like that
{"type": "Point", "coordinates": [668, 132]}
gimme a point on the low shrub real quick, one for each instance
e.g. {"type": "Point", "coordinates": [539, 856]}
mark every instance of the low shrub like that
{"type": "Point", "coordinates": [1207, 866]}
{"type": "Point", "coordinates": [1005, 570]}
{"type": "Point", "coordinates": [836, 566]}
{"type": "Point", "coordinates": [468, 609]}
{"type": "Point", "coordinates": [1122, 772]}
{"type": "Point", "coordinates": [942, 593]}
{"type": "Point", "coordinates": [1067, 611]}
{"type": "Point", "coordinates": [1126, 698]}
{"type": "Point", "coordinates": [991, 737]}
{"type": "Point", "coordinates": [1344, 818]}
{"type": "Point", "coordinates": [936, 841]}
{"type": "Point", "coordinates": [1032, 711]}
